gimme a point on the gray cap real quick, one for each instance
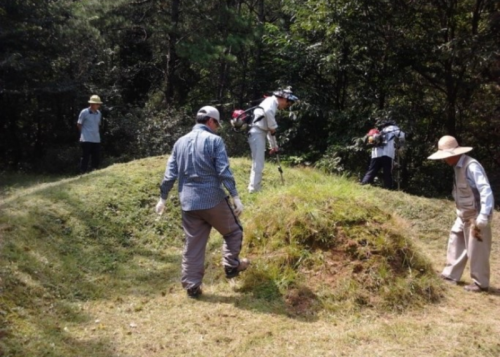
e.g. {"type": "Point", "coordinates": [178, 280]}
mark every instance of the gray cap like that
{"type": "Point", "coordinates": [209, 112]}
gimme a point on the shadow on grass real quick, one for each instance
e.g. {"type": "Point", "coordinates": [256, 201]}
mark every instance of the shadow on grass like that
{"type": "Point", "coordinates": [261, 294]}
{"type": "Point", "coordinates": [494, 292]}
{"type": "Point", "coordinates": [60, 248]}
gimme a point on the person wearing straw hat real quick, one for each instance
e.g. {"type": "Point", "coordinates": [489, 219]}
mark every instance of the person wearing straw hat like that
{"type": "Point", "coordinates": [470, 235]}
{"type": "Point", "coordinates": [88, 123]}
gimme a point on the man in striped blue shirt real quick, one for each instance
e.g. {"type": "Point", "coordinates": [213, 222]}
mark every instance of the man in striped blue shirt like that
{"type": "Point", "coordinates": [200, 164]}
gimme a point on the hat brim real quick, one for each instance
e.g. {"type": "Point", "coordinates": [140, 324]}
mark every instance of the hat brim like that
{"type": "Point", "coordinates": [94, 102]}
{"type": "Point", "coordinates": [444, 154]}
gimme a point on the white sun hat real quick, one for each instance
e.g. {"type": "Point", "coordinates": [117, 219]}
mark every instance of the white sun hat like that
{"type": "Point", "coordinates": [448, 147]}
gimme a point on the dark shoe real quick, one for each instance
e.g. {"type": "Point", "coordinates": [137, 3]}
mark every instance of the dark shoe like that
{"type": "Point", "coordinates": [475, 288]}
{"type": "Point", "coordinates": [234, 272]}
{"type": "Point", "coordinates": [448, 280]}
{"type": "Point", "coordinates": [194, 292]}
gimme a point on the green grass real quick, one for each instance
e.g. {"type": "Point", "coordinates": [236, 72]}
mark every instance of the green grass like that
{"type": "Point", "coordinates": [88, 269]}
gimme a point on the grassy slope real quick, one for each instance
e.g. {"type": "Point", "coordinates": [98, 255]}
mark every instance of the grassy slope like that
{"type": "Point", "coordinates": [88, 269]}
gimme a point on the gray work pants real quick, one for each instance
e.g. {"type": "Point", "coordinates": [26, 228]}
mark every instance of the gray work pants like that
{"type": "Point", "coordinates": [197, 226]}
{"type": "Point", "coordinates": [462, 246]}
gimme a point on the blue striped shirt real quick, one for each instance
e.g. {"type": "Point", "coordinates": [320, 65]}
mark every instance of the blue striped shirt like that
{"type": "Point", "coordinates": [199, 161]}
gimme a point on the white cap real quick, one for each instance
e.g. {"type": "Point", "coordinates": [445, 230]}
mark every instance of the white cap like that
{"type": "Point", "coordinates": [209, 112]}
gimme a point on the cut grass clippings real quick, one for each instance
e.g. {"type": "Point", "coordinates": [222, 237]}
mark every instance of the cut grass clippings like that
{"type": "Point", "coordinates": [88, 269]}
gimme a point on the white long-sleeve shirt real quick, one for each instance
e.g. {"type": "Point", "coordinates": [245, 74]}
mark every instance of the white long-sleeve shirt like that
{"type": "Point", "coordinates": [269, 108]}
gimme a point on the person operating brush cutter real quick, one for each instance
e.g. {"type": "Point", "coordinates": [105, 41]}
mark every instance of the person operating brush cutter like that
{"type": "Point", "coordinates": [264, 126]}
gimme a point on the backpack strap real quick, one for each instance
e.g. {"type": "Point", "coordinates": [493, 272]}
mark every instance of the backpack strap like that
{"type": "Point", "coordinates": [255, 120]}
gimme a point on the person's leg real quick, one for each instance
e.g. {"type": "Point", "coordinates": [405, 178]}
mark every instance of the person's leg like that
{"type": "Point", "coordinates": [375, 165]}
{"type": "Point", "coordinates": [223, 219]}
{"type": "Point", "coordinates": [257, 141]}
{"type": "Point", "coordinates": [95, 156]}
{"type": "Point", "coordinates": [479, 255]}
{"type": "Point", "coordinates": [456, 256]}
{"type": "Point", "coordinates": [387, 167]}
{"type": "Point", "coordinates": [84, 160]}
{"type": "Point", "coordinates": [197, 232]}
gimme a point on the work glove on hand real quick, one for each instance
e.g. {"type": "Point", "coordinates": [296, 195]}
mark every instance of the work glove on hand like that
{"type": "Point", "coordinates": [274, 151]}
{"type": "Point", "coordinates": [482, 221]}
{"type": "Point", "coordinates": [160, 206]}
{"type": "Point", "coordinates": [238, 206]}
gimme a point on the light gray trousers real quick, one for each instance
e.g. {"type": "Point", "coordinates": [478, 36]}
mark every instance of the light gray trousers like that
{"type": "Point", "coordinates": [257, 141]}
{"type": "Point", "coordinates": [462, 246]}
{"type": "Point", "coordinates": [197, 226]}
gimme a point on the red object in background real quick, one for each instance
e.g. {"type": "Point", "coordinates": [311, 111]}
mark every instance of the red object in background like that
{"type": "Point", "coordinates": [373, 132]}
{"type": "Point", "coordinates": [237, 113]}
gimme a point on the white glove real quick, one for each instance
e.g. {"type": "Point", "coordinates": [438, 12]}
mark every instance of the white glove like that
{"type": "Point", "coordinates": [238, 206]}
{"type": "Point", "coordinates": [458, 226]}
{"type": "Point", "coordinates": [482, 221]}
{"type": "Point", "coordinates": [160, 206]}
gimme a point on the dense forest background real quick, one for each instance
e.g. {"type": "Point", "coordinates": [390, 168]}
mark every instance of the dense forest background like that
{"type": "Point", "coordinates": [432, 66]}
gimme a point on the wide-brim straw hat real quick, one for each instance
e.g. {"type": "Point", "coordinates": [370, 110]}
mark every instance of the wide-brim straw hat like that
{"type": "Point", "coordinates": [95, 100]}
{"type": "Point", "coordinates": [448, 147]}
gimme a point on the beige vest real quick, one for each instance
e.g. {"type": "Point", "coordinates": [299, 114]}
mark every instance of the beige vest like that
{"type": "Point", "coordinates": [467, 200]}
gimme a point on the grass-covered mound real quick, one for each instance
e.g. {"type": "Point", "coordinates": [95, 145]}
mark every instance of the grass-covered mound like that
{"type": "Point", "coordinates": [327, 245]}
{"type": "Point", "coordinates": [317, 242]}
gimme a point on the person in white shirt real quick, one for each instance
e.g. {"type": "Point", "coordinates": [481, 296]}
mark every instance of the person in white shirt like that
{"type": "Point", "coordinates": [384, 153]}
{"type": "Point", "coordinates": [470, 236]}
{"type": "Point", "coordinates": [264, 126]}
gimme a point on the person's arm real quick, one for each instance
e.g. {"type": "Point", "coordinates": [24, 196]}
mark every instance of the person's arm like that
{"type": "Point", "coordinates": [272, 125]}
{"type": "Point", "coordinates": [225, 174]}
{"type": "Point", "coordinates": [168, 182]}
{"type": "Point", "coordinates": [273, 142]}
{"type": "Point", "coordinates": [476, 174]}
{"type": "Point", "coordinates": [171, 173]}
{"type": "Point", "coordinates": [222, 169]}
{"type": "Point", "coordinates": [81, 119]}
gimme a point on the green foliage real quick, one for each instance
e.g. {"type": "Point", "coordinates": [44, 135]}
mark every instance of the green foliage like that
{"type": "Point", "coordinates": [431, 67]}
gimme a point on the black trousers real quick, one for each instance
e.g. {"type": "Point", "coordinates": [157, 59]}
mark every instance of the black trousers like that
{"type": "Point", "coordinates": [385, 163]}
{"type": "Point", "coordinates": [90, 152]}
